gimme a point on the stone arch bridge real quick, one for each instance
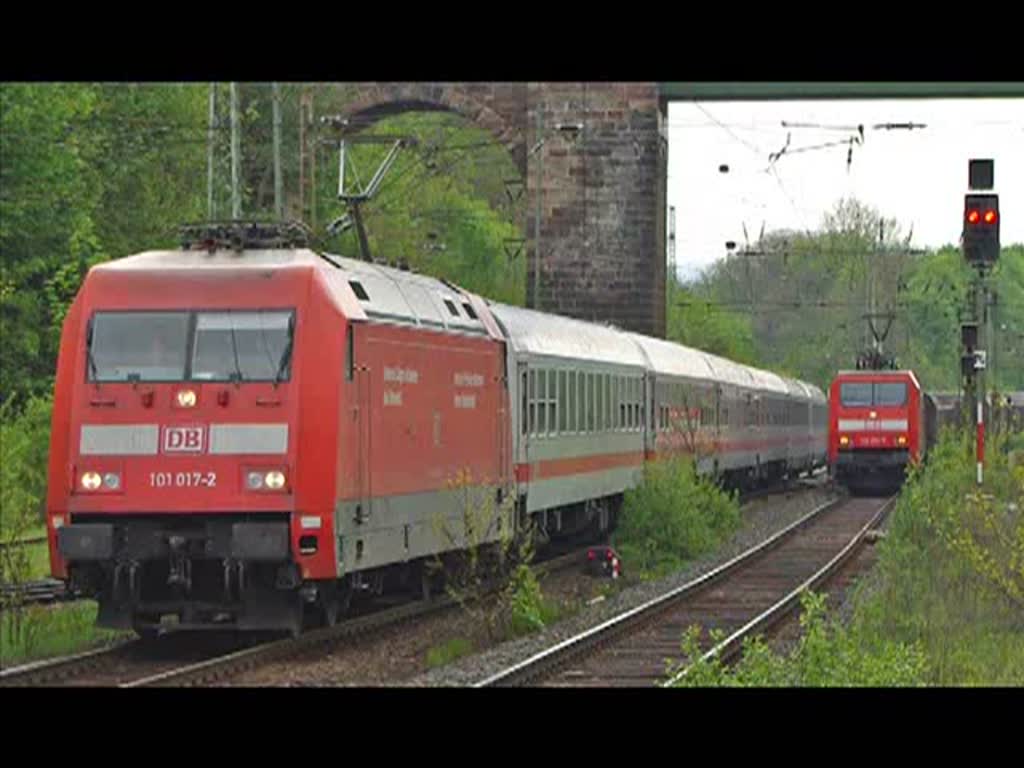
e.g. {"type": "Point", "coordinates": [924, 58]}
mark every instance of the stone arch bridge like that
{"type": "Point", "coordinates": [593, 158]}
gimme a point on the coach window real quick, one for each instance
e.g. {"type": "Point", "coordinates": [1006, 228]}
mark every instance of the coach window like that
{"type": "Point", "coordinates": [590, 402]}
{"type": "Point", "coordinates": [542, 402]}
{"type": "Point", "coordinates": [609, 406]}
{"type": "Point", "coordinates": [634, 412]}
{"type": "Point", "coordinates": [599, 410]}
{"type": "Point", "coordinates": [638, 396]}
{"type": "Point", "coordinates": [533, 402]}
{"type": "Point", "coordinates": [552, 402]}
{"type": "Point", "coordinates": [525, 403]}
{"type": "Point", "coordinates": [563, 403]}
{"type": "Point", "coordinates": [613, 403]}
{"type": "Point", "coordinates": [570, 402]}
{"type": "Point", "coordinates": [634, 396]}
{"type": "Point", "coordinates": [581, 401]}
{"type": "Point", "coordinates": [641, 393]}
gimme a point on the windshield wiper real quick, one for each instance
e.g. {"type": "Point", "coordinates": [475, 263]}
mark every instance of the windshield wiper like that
{"type": "Point", "coordinates": [92, 360]}
{"type": "Point", "coordinates": [286, 356]}
{"type": "Point", "coordinates": [237, 375]}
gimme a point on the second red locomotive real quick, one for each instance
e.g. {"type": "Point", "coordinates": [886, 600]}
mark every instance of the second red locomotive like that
{"type": "Point", "coordinates": [879, 423]}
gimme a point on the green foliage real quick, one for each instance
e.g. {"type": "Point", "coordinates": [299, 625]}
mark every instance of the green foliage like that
{"type": "Point", "coordinates": [24, 442]}
{"type": "Point", "coordinates": [58, 630]}
{"type": "Point", "coordinates": [528, 609]}
{"type": "Point", "coordinates": [87, 171]}
{"type": "Point", "coordinates": [94, 171]}
{"type": "Point", "coordinates": [827, 655]}
{"type": "Point", "coordinates": [672, 516]}
{"type": "Point", "coordinates": [949, 572]}
{"type": "Point", "coordinates": [448, 651]}
{"type": "Point", "coordinates": [696, 322]}
{"type": "Point", "coordinates": [526, 601]}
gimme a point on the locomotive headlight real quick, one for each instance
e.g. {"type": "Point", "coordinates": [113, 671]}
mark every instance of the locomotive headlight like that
{"type": "Point", "coordinates": [254, 480]}
{"type": "Point", "coordinates": [91, 480]}
{"type": "Point", "coordinates": [902, 440]}
{"type": "Point", "coordinates": [112, 481]}
{"type": "Point", "coordinates": [844, 440]}
{"type": "Point", "coordinates": [275, 480]}
{"type": "Point", "coordinates": [186, 398]}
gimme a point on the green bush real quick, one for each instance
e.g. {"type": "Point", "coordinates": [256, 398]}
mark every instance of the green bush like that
{"type": "Point", "coordinates": [24, 447]}
{"type": "Point", "coordinates": [950, 573]}
{"type": "Point", "coordinates": [671, 517]}
{"type": "Point", "coordinates": [528, 609]}
{"type": "Point", "coordinates": [827, 655]}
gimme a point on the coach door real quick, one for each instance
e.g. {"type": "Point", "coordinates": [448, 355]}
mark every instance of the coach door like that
{"type": "Point", "coordinates": [501, 428]}
{"type": "Point", "coordinates": [523, 380]}
{"type": "Point", "coordinates": [364, 412]}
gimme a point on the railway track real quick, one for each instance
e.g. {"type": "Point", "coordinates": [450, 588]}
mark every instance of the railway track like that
{"type": "Point", "coordinates": [190, 659]}
{"type": "Point", "coordinates": [183, 659]}
{"type": "Point", "coordinates": [741, 597]}
{"type": "Point", "coordinates": [27, 542]}
{"type": "Point", "coordinates": [34, 592]}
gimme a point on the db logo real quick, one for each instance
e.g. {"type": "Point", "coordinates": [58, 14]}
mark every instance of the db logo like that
{"type": "Point", "coordinates": [183, 439]}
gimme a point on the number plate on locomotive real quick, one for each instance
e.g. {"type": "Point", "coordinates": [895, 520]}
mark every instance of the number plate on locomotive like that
{"type": "Point", "coordinates": [183, 479]}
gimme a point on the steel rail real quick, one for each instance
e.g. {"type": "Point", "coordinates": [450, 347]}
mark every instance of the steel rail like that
{"type": "Point", "coordinates": [31, 592]}
{"type": "Point", "coordinates": [68, 667]}
{"type": "Point", "coordinates": [540, 663]}
{"type": "Point", "coordinates": [240, 661]}
{"type": "Point", "coordinates": [50, 670]}
{"type": "Point", "coordinates": [732, 645]}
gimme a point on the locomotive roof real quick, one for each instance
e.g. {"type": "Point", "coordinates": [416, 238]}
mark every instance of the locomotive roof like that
{"type": "Point", "coordinates": [387, 293]}
{"type": "Point", "coordinates": [869, 373]}
{"type": "Point", "coordinates": [538, 333]}
{"type": "Point", "coordinates": [221, 258]}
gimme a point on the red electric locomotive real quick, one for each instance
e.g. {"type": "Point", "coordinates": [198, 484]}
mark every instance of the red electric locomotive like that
{"type": "Point", "coordinates": [188, 385]}
{"type": "Point", "coordinates": [878, 424]}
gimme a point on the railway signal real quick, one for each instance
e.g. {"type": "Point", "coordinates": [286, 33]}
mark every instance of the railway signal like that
{"type": "Point", "coordinates": [981, 229]}
{"type": "Point", "coordinates": [981, 251]}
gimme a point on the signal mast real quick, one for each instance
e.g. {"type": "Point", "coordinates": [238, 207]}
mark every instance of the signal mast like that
{"type": "Point", "coordinates": [981, 250]}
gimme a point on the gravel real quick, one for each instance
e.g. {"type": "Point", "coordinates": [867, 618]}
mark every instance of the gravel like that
{"type": "Point", "coordinates": [761, 518]}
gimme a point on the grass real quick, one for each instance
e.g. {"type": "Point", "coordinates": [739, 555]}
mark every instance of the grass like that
{"type": "Point", "coordinates": [449, 651]}
{"type": "Point", "coordinates": [38, 561]}
{"type": "Point", "coordinates": [38, 632]}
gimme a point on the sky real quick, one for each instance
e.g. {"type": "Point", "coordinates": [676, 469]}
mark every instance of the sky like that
{"type": "Point", "coordinates": [918, 177]}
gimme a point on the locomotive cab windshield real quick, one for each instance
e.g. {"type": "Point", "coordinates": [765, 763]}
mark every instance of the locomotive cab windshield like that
{"type": "Point", "coordinates": [232, 345]}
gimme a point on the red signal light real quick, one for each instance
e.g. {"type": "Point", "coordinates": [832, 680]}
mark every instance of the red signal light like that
{"type": "Point", "coordinates": [973, 217]}
{"type": "Point", "coordinates": [990, 216]}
